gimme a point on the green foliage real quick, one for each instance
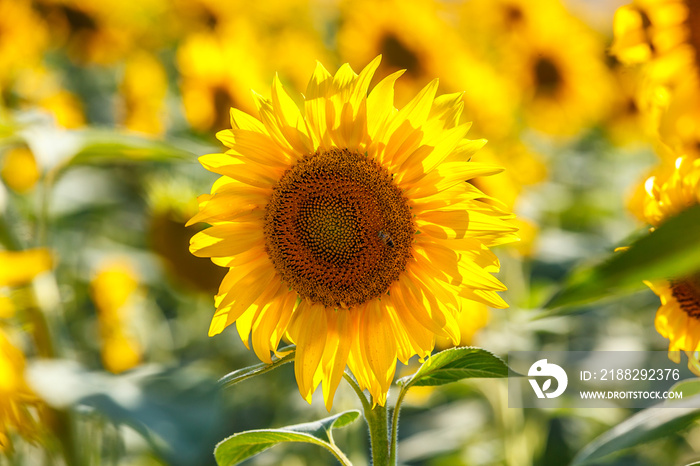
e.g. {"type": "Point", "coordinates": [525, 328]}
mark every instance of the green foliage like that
{"type": "Point", "coordinates": [102, 146]}
{"type": "Point", "coordinates": [659, 255]}
{"type": "Point", "coordinates": [242, 446]}
{"type": "Point", "coordinates": [246, 373]}
{"type": "Point", "coordinates": [455, 364]}
{"type": "Point", "coordinates": [688, 388]}
{"type": "Point", "coordinates": [647, 425]}
{"type": "Point", "coordinates": [177, 411]}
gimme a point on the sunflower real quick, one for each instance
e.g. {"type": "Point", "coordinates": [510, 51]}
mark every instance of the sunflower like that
{"type": "Point", "coordinates": [664, 36]}
{"type": "Point", "coordinates": [114, 289]}
{"type": "Point", "coordinates": [143, 89]}
{"type": "Point", "coordinates": [558, 64]}
{"type": "Point", "coordinates": [214, 69]}
{"type": "Point", "coordinates": [349, 227]}
{"type": "Point", "coordinates": [494, 25]}
{"type": "Point", "coordinates": [630, 118]}
{"type": "Point", "coordinates": [678, 317]}
{"type": "Point", "coordinates": [679, 118]}
{"type": "Point", "coordinates": [23, 37]}
{"type": "Point", "coordinates": [664, 33]}
{"type": "Point", "coordinates": [15, 396]}
{"type": "Point", "coordinates": [413, 35]}
{"type": "Point", "coordinates": [17, 268]}
{"type": "Point", "coordinates": [20, 170]}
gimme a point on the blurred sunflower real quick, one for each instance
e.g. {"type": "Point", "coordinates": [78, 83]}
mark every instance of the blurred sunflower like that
{"type": "Point", "coordinates": [143, 89]}
{"type": "Point", "coordinates": [38, 86]}
{"type": "Point", "coordinates": [349, 228]}
{"type": "Point", "coordinates": [491, 26]}
{"type": "Point", "coordinates": [663, 32]}
{"type": "Point", "coordinates": [15, 396]}
{"type": "Point", "coordinates": [678, 317]}
{"type": "Point", "coordinates": [17, 268]}
{"type": "Point", "coordinates": [679, 119]}
{"type": "Point", "coordinates": [113, 289]}
{"type": "Point", "coordinates": [23, 37]}
{"type": "Point", "coordinates": [171, 202]}
{"type": "Point", "coordinates": [217, 72]}
{"type": "Point", "coordinates": [412, 35]}
{"type": "Point", "coordinates": [102, 32]}
{"type": "Point", "coordinates": [665, 36]}
{"type": "Point", "coordinates": [20, 267]}
{"type": "Point", "coordinates": [628, 120]}
{"type": "Point", "coordinates": [19, 169]}
{"type": "Point", "coordinates": [559, 66]}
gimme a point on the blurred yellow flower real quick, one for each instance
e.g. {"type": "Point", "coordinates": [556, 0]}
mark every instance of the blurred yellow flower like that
{"type": "Point", "coordinates": [102, 32]}
{"type": "Point", "coordinates": [630, 118]}
{"type": "Point", "coordinates": [113, 290]}
{"type": "Point", "coordinates": [20, 267]}
{"type": "Point", "coordinates": [492, 26]}
{"type": "Point", "coordinates": [23, 37]}
{"type": "Point", "coordinates": [171, 202]}
{"type": "Point", "coordinates": [218, 71]}
{"type": "Point", "coordinates": [665, 36]}
{"type": "Point", "coordinates": [412, 35]}
{"type": "Point", "coordinates": [19, 169]}
{"type": "Point", "coordinates": [678, 317]}
{"type": "Point", "coordinates": [679, 120]}
{"type": "Point", "coordinates": [65, 107]}
{"type": "Point", "coordinates": [17, 268]}
{"type": "Point", "coordinates": [15, 396]}
{"type": "Point", "coordinates": [554, 61]}
{"type": "Point", "coordinates": [665, 33]}
{"type": "Point", "coordinates": [349, 228]}
{"type": "Point", "coordinates": [559, 66]}
{"type": "Point", "coordinates": [143, 89]}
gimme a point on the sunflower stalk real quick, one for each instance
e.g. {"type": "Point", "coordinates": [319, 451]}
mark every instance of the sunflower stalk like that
{"type": "Point", "coordinates": [378, 423]}
{"type": "Point", "coordinates": [395, 426]}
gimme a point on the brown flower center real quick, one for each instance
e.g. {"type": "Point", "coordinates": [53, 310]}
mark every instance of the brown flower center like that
{"type": "Point", "coordinates": [513, 14]}
{"type": "Point", "coordinates": [687, 294]}
{"type": "Point", "coordinates": [548, 78]}
{"type": "Point", "coordinates": [398, 56]}
{"type": "Point", "coordinates": [693, 24]}
{"type": "Point", "coordinates": [337, 228]}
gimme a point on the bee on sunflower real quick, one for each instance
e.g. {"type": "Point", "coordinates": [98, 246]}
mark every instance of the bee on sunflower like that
{"type": "Point", "coordinates": [349, 228]}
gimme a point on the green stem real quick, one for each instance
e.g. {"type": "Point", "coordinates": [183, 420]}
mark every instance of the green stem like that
{"type": "Point", "coordinates": [42, 227]}
{"type": "Point", "coordinates": [340, 456]}
{"type": "Point", "coordinates": [395, 426]}
{"type": "Point", "coordinates": [61, 421]}
{"type": "Point", "coordinates": [353, 383]}
{"type": "Point", "coordinates": [377, 421]}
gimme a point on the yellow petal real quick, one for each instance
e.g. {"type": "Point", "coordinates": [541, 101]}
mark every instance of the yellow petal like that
{"type": "Point", "coordinates": [308, 330]}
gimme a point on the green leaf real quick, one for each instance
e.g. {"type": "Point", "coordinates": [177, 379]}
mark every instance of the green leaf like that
{"type": "Point", "coordinates": [455, 364]}
{"type": "Point", "coordinates": [659, 255]}
{"type": "Point", "coordinates": [646, 425]}
{"type": "Point", "coordinates": [688, 388]}
{"type": "Point", "coordinates": [101, 146]}
{"type": "Point", "coordinates": [179, 412]}
{"type": "Point", "coordinates": [246, 373]}
{"type": "Point", "coordinates": [242, 446]}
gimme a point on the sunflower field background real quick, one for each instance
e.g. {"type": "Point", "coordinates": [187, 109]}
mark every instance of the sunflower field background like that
{"type": "Point", "coordinates": [592, 108]}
